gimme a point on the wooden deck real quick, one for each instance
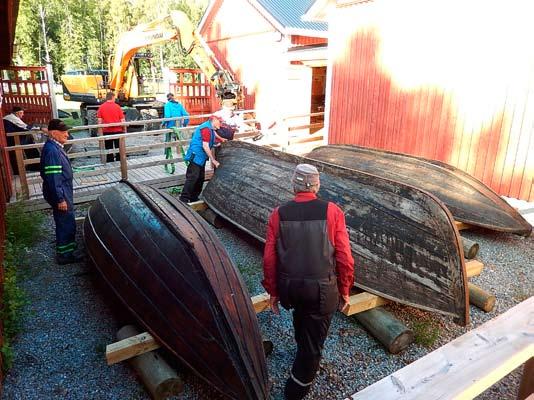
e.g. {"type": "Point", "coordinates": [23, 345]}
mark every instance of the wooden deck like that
{"type": "Point", "coordinates": [87, 188]}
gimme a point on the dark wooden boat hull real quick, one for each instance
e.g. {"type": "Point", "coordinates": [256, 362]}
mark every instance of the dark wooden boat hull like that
{"type": "Point", "coordinates": [168, 267]}
{"type": "Point", "coordinates": [468, 199]}
{"type": "Point", "coordinates": [404, 241]}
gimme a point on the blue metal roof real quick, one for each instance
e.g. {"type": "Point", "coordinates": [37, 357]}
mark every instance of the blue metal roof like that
{"type": "Point", "coordinates": [288, 13]}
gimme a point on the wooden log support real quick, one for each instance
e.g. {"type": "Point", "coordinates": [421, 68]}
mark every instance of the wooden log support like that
{"type": "Point", "coordinates": [210, 216]}
{"type": "Point", "coordinates": [470, 248]}
{"type": "Point", "coordinates": [158, 377]}
{"type": "Point", "coordinates": [388, 330]}
{"type": "Point", "coordinates": [526, 387]}
{"type": "Point", "coordinates": [466, 366]}
{"type": "Point", "coordinates": [473, 268]}
{"type": "Point", "coordinates": [480, 298]}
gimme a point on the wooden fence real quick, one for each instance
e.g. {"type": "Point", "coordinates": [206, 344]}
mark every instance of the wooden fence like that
{"type": "Point", "coordinates": [194, 91]}
{"type": "Point", "coordinates": [26, 87]}
{"type": "Point", "coordinates": [125, 149]}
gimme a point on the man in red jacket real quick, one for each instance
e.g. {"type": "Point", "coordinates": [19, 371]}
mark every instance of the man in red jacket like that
{"type": "Point", "coordinates": [307, 267]}
{"type": "Point", "coordinates": [108, 113]}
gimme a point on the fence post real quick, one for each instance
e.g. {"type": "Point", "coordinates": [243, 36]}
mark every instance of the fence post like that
{"type": "Point", "coordinates": [101, 146]}
{"type": "Point", "coordinates": [122, 154]}
{"type": "Point", "coordinates": [19, 154]}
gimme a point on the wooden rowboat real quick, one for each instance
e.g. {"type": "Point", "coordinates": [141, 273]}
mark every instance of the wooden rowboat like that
{"type": "Point", "coordinates": [468, 199]}
{"type": "Point", "coordinates": [404, 242]}
{"type": "Point", "coordinates": [168, 267]}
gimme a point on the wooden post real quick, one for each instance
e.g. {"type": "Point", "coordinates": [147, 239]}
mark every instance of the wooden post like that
{"type": "Point", "coordinates": [480, 298]}
{"type": "Point", "coordinates": [102, 147]}
{"type": "Point", "coordinates": [122, 154]}
{"type": "Point", "coordinates": [526, 387]}
{"type": "Point", "coordinates": [158, 377]}
{"type": "Point", "coordinates": [470, 248]}
{"type": "Point", "coordinates": [392, 333]}
{"type": "Point", "coordinates": [19, 154]}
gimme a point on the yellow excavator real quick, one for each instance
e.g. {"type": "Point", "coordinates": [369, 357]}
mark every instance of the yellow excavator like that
{"type": "Point", "coordinates": [125, 79]}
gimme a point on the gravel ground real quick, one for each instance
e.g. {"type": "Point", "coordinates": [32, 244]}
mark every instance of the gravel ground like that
{"type": "Point", "coordinates": [60, 354]}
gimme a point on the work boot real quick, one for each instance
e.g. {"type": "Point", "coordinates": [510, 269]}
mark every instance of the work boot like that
{"type": "Point", "coordinates": [70, 258]}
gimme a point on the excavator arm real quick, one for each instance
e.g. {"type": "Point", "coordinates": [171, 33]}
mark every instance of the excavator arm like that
{"type": "Point", "coordinates": [175, 26]}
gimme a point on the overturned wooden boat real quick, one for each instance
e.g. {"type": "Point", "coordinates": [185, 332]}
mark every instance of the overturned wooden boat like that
{"type": "Point", "coordinates": [404, 242]}
{"type": "Point", "coordinates": [171, 271]}
{"type": "Point", "coordinates": [468, 199]}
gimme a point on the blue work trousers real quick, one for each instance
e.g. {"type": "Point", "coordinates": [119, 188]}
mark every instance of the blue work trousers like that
{"type": "Point", "coordinates": [65, 230]}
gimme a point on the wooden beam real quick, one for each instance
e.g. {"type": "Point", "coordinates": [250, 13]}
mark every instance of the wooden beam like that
{"type": "Point", "coordinates": [462, 226]}
{"type": "Point", "coordinates": [466, 366]}
{"type": "Point", "coordinates": [260, 302]}
{"type": "Point", "coordinates": [362, 302]}
{"type": "Point", "coordinates": [198, 205]}
{"type": "Point", "coordinates": [130, 347]}
{"type": "Point", "coordinates": [473, 268]}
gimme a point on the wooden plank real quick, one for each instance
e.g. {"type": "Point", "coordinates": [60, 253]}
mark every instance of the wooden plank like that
{"type": "Point", "coordinates": [473, 268]}
{"type": "Point", "coordinates": [466, 366]}
{"type": "Point", "coordinates": [462, 226]}
{"type": "Point", "coordinates": [130, 347]}
{"type": "Point", "coordinates": [362, 302]}
{"type": "Point", "coordinates": [198, 205]}
{"type": "Point", "coordinates": [260, 302]}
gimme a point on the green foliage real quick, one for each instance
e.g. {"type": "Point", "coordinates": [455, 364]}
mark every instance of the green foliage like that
{"type": "Point", "coordinates": [83, 34]}
{"type": "Point", "coordinates": [22, 230]}
{"type": "Point", "coordinates": [426, 332]}
{"type": "Point", "coordinates": [175, 190]}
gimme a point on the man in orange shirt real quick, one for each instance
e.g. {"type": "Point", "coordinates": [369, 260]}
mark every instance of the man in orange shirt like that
{"type": "Point", "coordinates": [108, 113]}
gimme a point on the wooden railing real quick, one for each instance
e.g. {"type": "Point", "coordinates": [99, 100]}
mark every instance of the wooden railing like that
{"type": "Point", "coordinates": [123, 150]}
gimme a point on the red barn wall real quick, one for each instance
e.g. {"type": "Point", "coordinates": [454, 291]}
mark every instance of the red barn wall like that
{"type": "Point", "coordinates": [250, 46]}
{"type": "Point", "coordinates": [447, 80]}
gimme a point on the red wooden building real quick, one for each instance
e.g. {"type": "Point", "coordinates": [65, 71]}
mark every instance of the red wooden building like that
{"type": "Point", "coordinates": [448, 80]}
{"type": "Point", "coordinates": [278, 58]}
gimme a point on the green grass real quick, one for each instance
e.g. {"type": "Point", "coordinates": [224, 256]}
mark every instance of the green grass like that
{"type": "Point", "coordinates": [175, 190]}
{"type": "Point", "coordinates": [22, 231]}
{"type": "Point", "coordinates": [426, 332]}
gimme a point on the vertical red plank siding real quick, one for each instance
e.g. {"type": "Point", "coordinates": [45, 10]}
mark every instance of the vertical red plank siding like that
{"type": "Point", "coordinates": [471, 114]}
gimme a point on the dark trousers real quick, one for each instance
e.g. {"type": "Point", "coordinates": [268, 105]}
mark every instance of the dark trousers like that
{"type": "Point", "coordinates": [110, 144]}
{"type": "Point", "coordinates": [65, 229]}
{"type": "Point", "coordinates": [194, 179]}
{"type": "Point", "coordinates": [314, 303]}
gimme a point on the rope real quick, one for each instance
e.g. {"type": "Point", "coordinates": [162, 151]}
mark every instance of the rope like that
{"type": "Point", "coordinates": [174, 135]}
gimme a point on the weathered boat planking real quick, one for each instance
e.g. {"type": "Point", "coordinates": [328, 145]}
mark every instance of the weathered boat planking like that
{"type": "Point", "coordinates": [468, 199]}
{"type": "Point", "coordinates": [405, 245]}
{"type": "Point", "coordinates": [168, 267]}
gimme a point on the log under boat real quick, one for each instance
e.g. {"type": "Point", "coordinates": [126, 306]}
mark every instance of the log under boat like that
{"type": "Point", "coordinates": [170, 270]}
{"type": "Point", "coordinates": [468, 199]}
{"type": "Point", "coordinates": [404, 242]}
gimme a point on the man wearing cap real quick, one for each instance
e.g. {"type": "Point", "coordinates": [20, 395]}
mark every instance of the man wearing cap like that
{"type": "Point", "coordinates": [308, 267]}
{"type": "Point", "coordinates": [56, 173]}
{"type": "Point", "coordinates": [173, 109]}
{"type": "Point", "coordinates": [199, 151]}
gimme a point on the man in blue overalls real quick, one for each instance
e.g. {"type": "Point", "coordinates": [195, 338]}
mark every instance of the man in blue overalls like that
{"type": "Point", "coordinates": [56, 173]}
{"type": "Point", "coordinates": [198, 153]}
